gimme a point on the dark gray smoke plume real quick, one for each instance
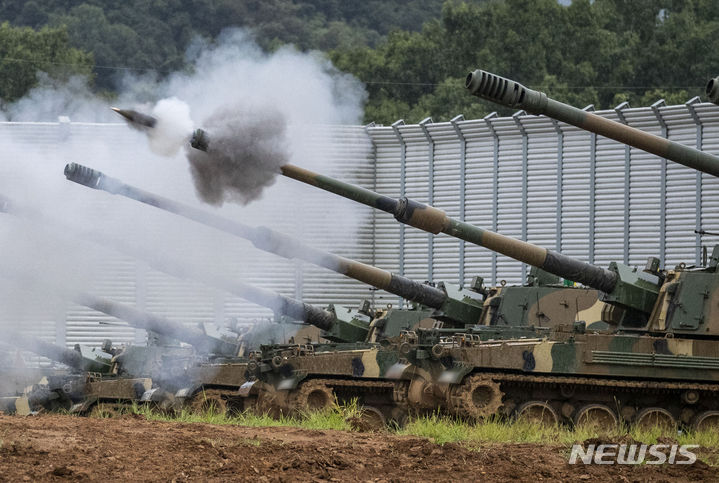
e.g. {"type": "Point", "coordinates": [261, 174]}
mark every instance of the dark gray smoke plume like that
{"type": "Point", "coordinates": [246, 151]}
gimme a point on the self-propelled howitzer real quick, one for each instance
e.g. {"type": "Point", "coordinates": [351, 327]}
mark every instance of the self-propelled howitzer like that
{"type": "Point", "coordinates": [512, 94]}
{"type": "Point", "coordinates": [452, 304]}
{"type": "Point", "coordinates": [92, 380]}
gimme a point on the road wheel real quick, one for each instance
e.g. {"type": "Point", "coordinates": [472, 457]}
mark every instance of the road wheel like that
{"type": "Point", "coordinates": [209, 402]}
{"type": "Point", "coordinates": [707, 421]}
{"type": "Point", "coordinates": [477, 397]}
{"type": "Point", "coordinates": [537, 412]}
{"type": "Point", "coordinates": [596, 417]}
{"type": "Point", "coordinates": [649, 418]}
{"type": "Point", "coordinates": [311, 396]}
{"type": "Point", "coordinates": [370, 419]}
{"type": "Point", "coordinates": [268, 403]}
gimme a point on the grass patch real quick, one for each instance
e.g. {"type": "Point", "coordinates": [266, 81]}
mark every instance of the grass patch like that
{"type": "Point", "coordinates": [442, 430]}
{"type": "Point", "coordinates": [335, 417]}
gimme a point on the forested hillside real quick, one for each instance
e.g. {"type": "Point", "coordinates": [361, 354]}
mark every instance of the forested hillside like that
{"type": "Point", "coordinates": [412, 55]}
{"type": "Point", "coordinates": [142, 34]}
{"type": "Point", "coordinates": [601, 52]}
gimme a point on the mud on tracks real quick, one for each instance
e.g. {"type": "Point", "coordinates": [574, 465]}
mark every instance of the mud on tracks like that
{"type": "Point", "coordinates": [66, 448]}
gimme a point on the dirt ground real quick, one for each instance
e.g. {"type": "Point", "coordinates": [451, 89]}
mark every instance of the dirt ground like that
{"type": "Point", "coordinates": [56, 447]}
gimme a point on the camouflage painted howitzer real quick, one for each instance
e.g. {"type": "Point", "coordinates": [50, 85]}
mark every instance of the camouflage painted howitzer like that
{"type": "Point", "coordinates": [639, 309]}
{"type": "Point", "coordinates": [665, 371]}
{"type": "Point", "coordinates": [570, 375]}
{"type": "Point", "coordinates": [512, 94]}
{"type": "Point", "coordinates": [213, 373]}
{"type": "Point", "coordinates": [90, 385]}
{"type": "Point", "coordinates": [449, 303]}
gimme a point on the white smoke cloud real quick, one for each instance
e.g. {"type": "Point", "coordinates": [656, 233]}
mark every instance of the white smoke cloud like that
{"type": "Point", "coordinates": [230, 73]}
{"type": "Point", "coordinates": [173, 128]}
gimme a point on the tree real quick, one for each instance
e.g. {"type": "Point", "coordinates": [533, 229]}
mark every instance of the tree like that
{"type": "Point", "coordinates": [588, 52]}
{"type": "Point", "coordinates": [25, 52]}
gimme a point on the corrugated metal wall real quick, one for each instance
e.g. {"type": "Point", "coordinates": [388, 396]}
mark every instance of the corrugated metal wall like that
{"type": "Point", "coordinates": [525, 176]}
{"type": "Point", "coordinates": [554, 185]}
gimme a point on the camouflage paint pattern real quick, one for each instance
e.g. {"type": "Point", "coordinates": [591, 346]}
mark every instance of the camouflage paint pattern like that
{"type": "Point", "coordinates": [543, 307]}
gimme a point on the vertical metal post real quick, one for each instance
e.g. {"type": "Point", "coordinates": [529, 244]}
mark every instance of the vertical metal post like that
{"type": "Point", "coordinates": [373, 213]}
{"type": "Point", "coordinates": [525, 178]}
{"type": "Point", "coordinates": [627, 180]}
{"type": "Point", "coordinates": [592, 189]}
{"type": "Point", "coordinates": [141, 269]}
{"type": "Point", "coordinates": [560, 183]}
{"type": "Point", "coordinates": [663, 186]}
{"type": "Point", "coordinates": [64, 131]}
{"type": "Point", "coordinates": [430, 193]}
{"type": "Point", "coordinates": [462, 186]}
{"type": "Point", "coordinates": [219, 307]}
{"type": "Point", "coordinates": [402, 185]}
{"type": "Point", "coordinates": [495, 186]}
{"type": "Point", "coordinates": [61, 325]}
{"type": "Point", "coordinates": [699, 142]}
{"type": "Point", "coordinates": [299, 279]}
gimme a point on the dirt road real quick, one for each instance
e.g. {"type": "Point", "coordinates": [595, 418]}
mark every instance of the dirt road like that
{"type": "Point", "coordinates": [55, 447]}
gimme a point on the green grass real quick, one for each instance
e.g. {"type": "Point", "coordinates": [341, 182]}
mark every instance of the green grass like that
{"type": "Point", "coordinates": [335, 417]}
{"type": "Point", "coordinates": [442, 430]}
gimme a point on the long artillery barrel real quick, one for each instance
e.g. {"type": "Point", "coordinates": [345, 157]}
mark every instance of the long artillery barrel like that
{"type": "Point", "coordinates": [636, 294]}
{"type": "Point", "coordinates": [134, 317]}
{"type": "Point", "coordinates": [53, 352]}
{"type": "Point", "coordinates": [434, 220]}
{"type": "Point", "coordinates": [155, 323]}
{"type": "Point", "coordinates": [622, 285]}
{"type": "Point", "coordinates": [281, 304]}
{"type": "Point", "coordinates": [267, 239]}
{"type": "Point", "coordinates": [512, 94]}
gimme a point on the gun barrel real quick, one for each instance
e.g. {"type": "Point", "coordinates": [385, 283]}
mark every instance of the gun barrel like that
{"type": "Point", "coordinates": [512, 94]}
{"type": "Point", "coordinates": [266, 239]}
{"type": "Point", "coordinates": [136, 119]}
{"type": "Point", "coordinates": [40, 347]}
{"type": "Point", "coordinates": [281, 304]}
{"type": "Point", "coordinates": [155, 323]}
{"type": "Point", "coordinates": [436, 221]}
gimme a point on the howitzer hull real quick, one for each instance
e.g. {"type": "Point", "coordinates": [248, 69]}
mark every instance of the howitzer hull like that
{"type": "Point", "coordinates": [565, 375]}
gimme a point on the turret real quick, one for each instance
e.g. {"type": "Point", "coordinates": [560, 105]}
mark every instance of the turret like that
{"type": "Point", "coordinates": [513, 94]}
{"type": "Point", "coordinates": [688, 301]}
{"type": "Point", "coordinates": [453, 305]}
